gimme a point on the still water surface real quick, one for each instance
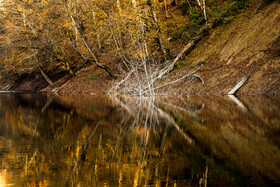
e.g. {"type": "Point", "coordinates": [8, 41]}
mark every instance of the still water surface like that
{"type": "Point", "coordinates": [123, 141]}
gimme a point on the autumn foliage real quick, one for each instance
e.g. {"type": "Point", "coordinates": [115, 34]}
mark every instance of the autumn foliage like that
{"type": "Point", "coordinates": [49, 35]}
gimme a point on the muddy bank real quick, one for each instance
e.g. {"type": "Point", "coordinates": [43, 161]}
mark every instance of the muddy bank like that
{"type": "Point", "coordinates": [30, 81]}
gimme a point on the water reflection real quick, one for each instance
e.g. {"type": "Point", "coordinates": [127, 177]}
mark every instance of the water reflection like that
{"type": "Point", "coordinates": [126, 141]}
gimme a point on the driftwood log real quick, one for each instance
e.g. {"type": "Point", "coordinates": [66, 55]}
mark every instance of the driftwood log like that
{"type": "Point", "coordinates": [238, 84]}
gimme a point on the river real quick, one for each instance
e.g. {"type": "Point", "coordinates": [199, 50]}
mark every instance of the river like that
{"type": "Point", "coordinates": [48, 140]}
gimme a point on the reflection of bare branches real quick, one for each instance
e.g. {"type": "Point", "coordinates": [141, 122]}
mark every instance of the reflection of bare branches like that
{"type": "Point", "coordinates": [193, 111]}
{"type": "Point", "coordinates": [186, 108]}
{"type": "Point", "coordinates": [149, 114]}
{"type": "Point", "coordinates": [28, 129]}
{"type": "Point", "coordinates": [49, 101]}
{"type": "Point", "coordinates": [172, 122]}
{"type": "Point", "coordinates": [82, 152]}
{"type": "Point", "coordinates": [47, 104]}
{"type": "Point", "coordinates": [239, 104]}
{"type": "Point", "coordinates": [77, 161]}
{"type": "Point", "coordinates": [203, 180]}
{"type": "Point", "coordinates": [31, 161]}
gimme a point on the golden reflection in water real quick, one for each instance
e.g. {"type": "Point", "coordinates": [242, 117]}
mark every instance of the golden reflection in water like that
{"type": "Point", "coordinates": [104, 141]}
{"type": "Point", "coordinates": [4, 181]}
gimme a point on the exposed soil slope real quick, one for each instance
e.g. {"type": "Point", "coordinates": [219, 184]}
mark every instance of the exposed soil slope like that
{"type": "Point", "coordinates": [247, 46]}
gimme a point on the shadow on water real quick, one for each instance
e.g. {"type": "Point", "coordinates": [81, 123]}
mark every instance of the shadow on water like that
{"type": "Point", "coordinates": [119, 140]}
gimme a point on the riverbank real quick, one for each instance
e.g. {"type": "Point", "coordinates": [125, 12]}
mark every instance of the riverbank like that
{"type": "Point", "coordinates": [248, 46]}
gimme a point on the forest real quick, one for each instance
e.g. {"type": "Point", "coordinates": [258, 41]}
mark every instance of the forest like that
{"type": "Point", "coordinates": [139, 92]}
{"type": "Point", "coordinates": [135, 44]}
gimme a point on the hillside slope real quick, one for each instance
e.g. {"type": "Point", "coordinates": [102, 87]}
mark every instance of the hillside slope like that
{"type": "Point", "coordinates": [248, 46]}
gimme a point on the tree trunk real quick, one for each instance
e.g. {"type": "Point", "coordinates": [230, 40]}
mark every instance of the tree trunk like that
{"type": "Point", "coordinates": [44, 75]}
{"type": "Point", "coordinates": [158, 28]}
{"type": "Point", "coordinates": [238, 85]}
{"type": "Point", "coordinates": [102, 66]}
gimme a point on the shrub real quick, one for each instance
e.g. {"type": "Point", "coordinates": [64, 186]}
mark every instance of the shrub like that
{"type": "Point", "coordinates": [196, 17]}
{"type": "Point", "coordinates": [185, 27]}
{"type": "Point", "coordinates": [175, 35]}
{"type": "Point", "coordinates": [184, 6]}
{"type": "Point", "coordinates": [228, 19]}
{"type": "Point", "coordinates": [268, 1]}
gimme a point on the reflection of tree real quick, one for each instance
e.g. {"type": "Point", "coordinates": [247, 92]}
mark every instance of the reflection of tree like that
{"type": "Point", "coordinates": [240, 137]}
{"type": "Point", "coordinates": [97, 141]}
{"type": "Point", "coordinates": [141, 158]}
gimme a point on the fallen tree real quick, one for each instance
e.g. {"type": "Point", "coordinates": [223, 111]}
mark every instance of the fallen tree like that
{"type": "Point", "coordinates": [143, 78]}
{"type": "Point", "coordinates": [238, 84]}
